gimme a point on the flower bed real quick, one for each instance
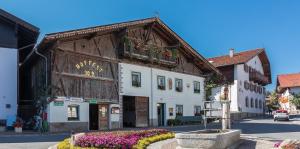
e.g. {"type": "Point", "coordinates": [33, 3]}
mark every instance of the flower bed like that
{"type": "Point", "coordinates": [288, 144]}
{"type": "Point", "coordinates": [119, 139]}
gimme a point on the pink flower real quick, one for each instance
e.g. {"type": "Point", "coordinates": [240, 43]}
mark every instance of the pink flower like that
{"type": "Point", "coordinates": [117, 139]}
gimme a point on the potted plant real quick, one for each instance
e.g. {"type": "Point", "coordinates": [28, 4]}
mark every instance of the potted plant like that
{"type": "Point", "coordinates": [18, 124]}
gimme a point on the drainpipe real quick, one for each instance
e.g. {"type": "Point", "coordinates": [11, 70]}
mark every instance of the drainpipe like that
{"type": "Point", "coordinates": [46, 62]}
{"type": "Point", "coordinates": [151, 100]}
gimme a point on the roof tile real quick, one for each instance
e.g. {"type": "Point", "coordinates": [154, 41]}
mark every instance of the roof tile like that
{"type": "Point", "coordinates": [289, 80]}
{"type": "Point", "coordinates": [238, 58]}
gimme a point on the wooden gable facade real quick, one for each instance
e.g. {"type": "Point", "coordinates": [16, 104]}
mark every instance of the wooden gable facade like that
{"type": "Point", "coordinates": [84, 63]}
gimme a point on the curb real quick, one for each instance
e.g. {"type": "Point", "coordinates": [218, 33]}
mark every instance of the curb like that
{"type": "Point", "coordinates": [34, 134]}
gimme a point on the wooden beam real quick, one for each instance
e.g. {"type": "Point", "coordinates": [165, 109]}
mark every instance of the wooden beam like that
{"type": "Point", "coordinates": [84, 77]}
{"type": "Point", "coordinates": [103, 58]}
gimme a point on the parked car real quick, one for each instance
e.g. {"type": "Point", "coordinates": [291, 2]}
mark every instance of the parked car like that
{"type": "Point", "coordinates": [281, 115]}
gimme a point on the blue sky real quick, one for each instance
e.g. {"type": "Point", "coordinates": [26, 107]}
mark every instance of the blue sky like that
{"type": "Point", "coordinates": [211, 27]}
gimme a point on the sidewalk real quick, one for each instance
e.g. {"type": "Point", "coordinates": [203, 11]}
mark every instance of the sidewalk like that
{"type": "Point", "coordinates": [28, 133]}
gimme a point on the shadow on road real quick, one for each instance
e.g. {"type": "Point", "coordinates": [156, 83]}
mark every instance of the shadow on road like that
{"type": "Point", "coordinates": [260, 128]}
{"type": "Point", "coordinates": [32, 138]}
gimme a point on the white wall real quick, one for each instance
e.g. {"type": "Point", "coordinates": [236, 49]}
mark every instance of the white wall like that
{"type": "Point", "coordinates": [148, 88]}
{"type": "Point", "coordinates": [8, 82]}
{"type": "Point", "coordinates": [243, 93]}
{"type": "Point", "coordinates": [187, 97]}
{"type": "Point", "coordinates": [237, 91]}
{"type": "Point", "coordinates": [60, 113]}
{"type": "Point", "coordinates": [287, 94]}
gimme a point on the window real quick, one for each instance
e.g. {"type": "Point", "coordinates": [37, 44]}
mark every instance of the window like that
{"type": "Point", "coordinates": [260, 104]}
{"type": "Point", "coordinates": [196, 87]}
{"type": "Point", "coordinates": [256, 104]}
{"type": "Point", "coordinates": [178, 85]}
{"type": "Point", "coordinates": [247, 102]}
{"type": "Point", "coordinates": [161, 82]}
{"type": "Point", "coordinates": [8, 106]}
{"type": "Point", "coordinates": [136, 79]}
{"type": "Point", "coordinates": [197, 110]}
{"type": "Point", "coordinates": [251, 103]}
{"type": "Point", "coordinates": [73, 112]}
{"type": "Point", "coordinates": [179, 110]}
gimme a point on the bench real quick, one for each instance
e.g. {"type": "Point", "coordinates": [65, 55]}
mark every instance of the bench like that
{"type": "Point", "coordinates": [190, 119]}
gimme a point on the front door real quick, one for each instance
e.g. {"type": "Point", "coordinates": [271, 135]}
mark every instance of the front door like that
{"type": "Point", "coordinates": [103, 116]}
{"type": "Point", "coordinates": [161, 114]}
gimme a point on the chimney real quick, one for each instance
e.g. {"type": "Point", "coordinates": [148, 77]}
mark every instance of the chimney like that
{"type": "Point", "coordinates": [231, 52]}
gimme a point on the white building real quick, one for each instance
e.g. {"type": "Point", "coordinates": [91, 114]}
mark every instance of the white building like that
{"type": "Point", "coordinates": [162, 88]}
{"type": "Point", "coordinates": [288, 85]}
{"type": "Point", "coordinates": [247, 73]}
{"type": "Point", "coordinates": [17, 37]}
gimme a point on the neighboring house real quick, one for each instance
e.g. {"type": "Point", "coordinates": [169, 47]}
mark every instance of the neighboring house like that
{"type": "Point", "coordinates": [247, 73]}
{"type": "Point", "coordinates": [287, 86]}
{"type": "Point", "coordinates": [17, 38]}
{"type": "Point", "coordinates": [136, 74]}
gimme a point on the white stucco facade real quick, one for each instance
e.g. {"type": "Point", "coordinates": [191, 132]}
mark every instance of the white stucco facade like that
{"type": "Point", "coordinates": [287, 95]}
{"type": "Point", "coordinates": [237, 91]}
{"type": "Point", "coordinates": [8, 83]}
{"type": "Point", "coordinates": [59, 113]}
{"type": "Point", "coordinates": [169, 97]}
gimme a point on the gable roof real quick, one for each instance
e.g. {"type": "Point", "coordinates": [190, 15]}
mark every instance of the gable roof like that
{"type": "Point", "coordinates": [18, 21]}
{"type": "Point", "coordinates": [288, 80]}
{"type": "Point", "coordinates": [244, 57]}
{"type": "Point", "coordinates": [238, 58]}
{"type": "Point", "coordinates": [119, 26]}
{"type": "Point", "coordinates": [26, 32]}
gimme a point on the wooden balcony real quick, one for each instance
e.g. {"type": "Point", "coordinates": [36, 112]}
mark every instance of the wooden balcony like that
{"type": "Point", "coordinates": [151, 53]}
{"type": "Point", "coordinates": [258, 77]}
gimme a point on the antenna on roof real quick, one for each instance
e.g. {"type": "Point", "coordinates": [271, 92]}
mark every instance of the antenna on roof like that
{"type": "Point", "coordinates": [156, 14]}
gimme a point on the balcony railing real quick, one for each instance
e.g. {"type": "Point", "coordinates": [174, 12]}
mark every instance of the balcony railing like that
{"type": "Point", "coordinates": [258, 77]}
{"type": "Point", "coordinates": [150, 52]}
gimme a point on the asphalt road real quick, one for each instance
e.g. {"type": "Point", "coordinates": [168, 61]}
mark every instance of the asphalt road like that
{"type": "Point", "coordinates": [262, 127]}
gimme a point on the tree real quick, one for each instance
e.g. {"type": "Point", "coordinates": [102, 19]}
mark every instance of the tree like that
{"type": "Point", "coordinates": [212, 82]}
{"type": "Point", "coordinates": [295, 100]}
{"type": "Point", "coordinates": [273, 104]}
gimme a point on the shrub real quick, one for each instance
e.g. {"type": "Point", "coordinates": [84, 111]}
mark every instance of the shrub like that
{"type": "Point", "coordinates": [173, 122]}
{"type": "Point", "coordinates": [143, 143]}
{"type": "Point", "coordinates": [64, 144]}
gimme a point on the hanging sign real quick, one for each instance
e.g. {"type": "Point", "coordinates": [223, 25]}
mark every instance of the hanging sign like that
{"type": "Point", "coordinates": [58, 103]}
{"type": "Point", "coordinates": [89, 67]}
{"type": "Point", "coordinates": [93, 101]}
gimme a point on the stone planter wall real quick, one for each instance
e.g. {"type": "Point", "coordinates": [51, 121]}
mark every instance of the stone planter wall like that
{"type": "Point", "coordinates": [207, 140]}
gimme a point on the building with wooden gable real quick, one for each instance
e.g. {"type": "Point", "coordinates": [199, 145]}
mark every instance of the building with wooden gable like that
{"type": "Point", "coordinates": [17, 39]}
{"type": "Point", "coordinates": [247, 73]}
{"type": "Point", "coordinates": [288, 85]}
{"type": "Point", "coordinates": [134, 74]}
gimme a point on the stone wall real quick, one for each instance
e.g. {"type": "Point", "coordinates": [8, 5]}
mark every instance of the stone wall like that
{"type": "Point", "coordinates": [69, 126]}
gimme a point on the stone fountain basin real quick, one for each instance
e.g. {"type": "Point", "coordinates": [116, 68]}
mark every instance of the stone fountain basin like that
{"type": "Point", "coordinates": [208, 139]}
